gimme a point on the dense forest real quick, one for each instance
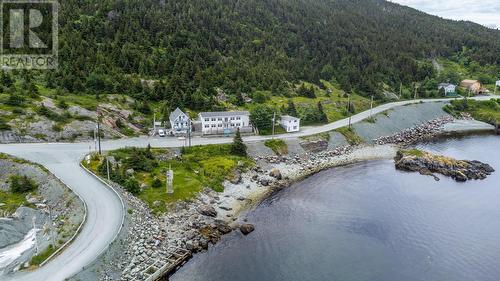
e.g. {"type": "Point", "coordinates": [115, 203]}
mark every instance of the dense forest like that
{"type": "Point", "coordinates": [188, 49]}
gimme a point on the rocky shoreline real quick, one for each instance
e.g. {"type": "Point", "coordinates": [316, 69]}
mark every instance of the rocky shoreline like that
{"type": "Point", "coordinates": [197, 223]}
{"type": "Point", "coordinates": [427, 164]}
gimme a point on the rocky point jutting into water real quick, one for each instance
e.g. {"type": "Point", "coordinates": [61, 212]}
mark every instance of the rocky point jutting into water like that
{"type": "Point", "coordinates": [426, 164]}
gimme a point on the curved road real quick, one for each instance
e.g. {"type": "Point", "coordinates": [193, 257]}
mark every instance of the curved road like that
{"type": "Point", "coordinates": [105, 211]}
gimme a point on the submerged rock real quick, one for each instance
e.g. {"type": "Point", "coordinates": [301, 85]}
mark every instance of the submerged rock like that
{"type": "Point", "coordinates": [247, 228]}
{"type": "Point", "coordinates": [426, 164]}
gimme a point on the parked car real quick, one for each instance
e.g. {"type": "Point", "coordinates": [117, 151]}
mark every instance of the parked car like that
{"type": "Point", "coordinates": [161, 133]}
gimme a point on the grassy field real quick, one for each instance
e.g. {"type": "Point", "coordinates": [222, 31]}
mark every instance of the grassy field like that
{"type": "Point", "coordinates": [197, 167]}
{"type": "Point", "coordinates": [41, 257]}
{"type": "Point", "coordinates": [278, 146]}
{"type": "Point", "coordinates": [13, 200]}
{"type": "Point", "coordinates": [486, 111]}
{"type": "Point", "coordinates": [350, 135]}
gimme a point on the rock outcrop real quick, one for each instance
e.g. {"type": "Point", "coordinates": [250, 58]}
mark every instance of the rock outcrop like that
{"type": "Point", "coordinates": [426, 164]}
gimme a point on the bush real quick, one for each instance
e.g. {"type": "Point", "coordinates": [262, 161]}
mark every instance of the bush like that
{"type": "Point", "coordinates": [21, 184]}
{"type": "Point", "coordinates": [15, 100]}
{"type": "Point", "coordinates": [278, 146]}
{"type": "Point", "coordinates": [4, 125]}
{"type": "Point", "coordinates": [62, 104]}
{"type": "Point", "coordinates": [132, 186]}
{"type": "Point", "coordinates": [157, 183]}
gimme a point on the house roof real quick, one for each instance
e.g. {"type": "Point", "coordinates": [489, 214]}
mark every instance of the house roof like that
{"type": "Point", "coordinates": [223, 114]}
{"type": "Point", "coordinates": [444, 85]}
{"type": "Point", "coordinates": [288, 117]}
{"type": "Point", "coordinates": [176, 113]}
{"type": "Point", "coordinates": [468, 82]}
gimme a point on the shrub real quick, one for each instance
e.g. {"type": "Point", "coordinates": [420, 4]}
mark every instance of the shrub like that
{"type": "Point", "coordinates": [132, 186]}
{"type": "Point", "coordinates": [21, 184]}
{"type": "Point", "coordinates": [4, 125]}
{"type": "Point", "coordinates": [278, 146]}
{"type": "Point", "coordinates": [62, 104]}
{"type": "Point", "coordinates": [156, 183]}
{"type": "Point", "coordinates": [15, 100]}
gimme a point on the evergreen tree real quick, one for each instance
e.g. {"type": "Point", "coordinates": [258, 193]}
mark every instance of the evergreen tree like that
{"type": "Point", "coordinates": [291, 110]}
{"type": "Point", "coordinates": [321, 114]}
{"type": "Point", "coordinates": [238, 147]}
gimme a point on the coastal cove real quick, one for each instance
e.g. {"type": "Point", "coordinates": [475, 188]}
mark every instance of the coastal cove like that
{"type": "Point", "coordinates": [367, 221]}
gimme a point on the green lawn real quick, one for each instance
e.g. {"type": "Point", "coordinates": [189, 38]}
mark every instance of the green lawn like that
{"type": "Point", "coordinates": [351, 136]}
{"type": "Point", "coordinates": [12, 201]}
{"type": "Point", "coordinates": [199, 166]}
{"type": "Point", "coordinates": [278, 146]}
{"type": "Point", "coordinates": [486, 111]}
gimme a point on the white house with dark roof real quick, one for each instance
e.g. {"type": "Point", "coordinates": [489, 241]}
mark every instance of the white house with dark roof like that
{"type": "Point", "coordinates": [448, 88]}
{"type": "Point", "coordinates": [225, 122]}
{"type": "Point", "coordinates": [179, 121]}
{"type": "Point", "coordinates": [290, 124]}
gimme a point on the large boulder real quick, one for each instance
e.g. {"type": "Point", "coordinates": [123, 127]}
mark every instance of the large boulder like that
{"type": "Point", "coordinates": [275, 173]}
{"type": "Point", "coordinates": [247, 228]}
{"type": "Point", "coordinates": [207, 210]}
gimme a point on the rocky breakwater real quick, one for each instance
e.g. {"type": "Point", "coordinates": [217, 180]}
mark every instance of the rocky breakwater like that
{"type": "Point", "coordinates": [427, 164]}
{"type": "Point", "coordinates": [417, 133]}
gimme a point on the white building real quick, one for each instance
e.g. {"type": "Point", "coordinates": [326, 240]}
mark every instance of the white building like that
{"type": "Point", "coordinates": [179, 122]}
{"type": "Point", "coordinates": [448, 88]}
{"type": "Point", "coordinates": [290, 124]}
{"type": "Point", "coordinates": [225, 122]}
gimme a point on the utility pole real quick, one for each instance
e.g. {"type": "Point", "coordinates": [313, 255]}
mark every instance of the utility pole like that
{"type": "Point", "coordinates": [349, 109]}
{"type": "Point", "coordinates": [416, 87]}
{"type": "Point", "coordinates": [33, 220]}
{"type": "Point", "coordinates": [95, 138]}
{"type": "Point", "coordinates": [189, 132]}
{"type": "Point", "coordinates": [371, 107]}
{"type": "Point", "coordinates": [154, 123]}
{"type": "Point", "coordinates": [400, 89]}
{"type": "Point", "coordinates": [99, 134]}
{"type": "Point", "coordinates": [274, 121]}
{"type": "Point", "coordinates": [107, 167]}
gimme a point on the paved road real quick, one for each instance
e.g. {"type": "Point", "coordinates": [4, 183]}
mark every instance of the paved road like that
{"type": "Point", "coordinates": [105, 211]}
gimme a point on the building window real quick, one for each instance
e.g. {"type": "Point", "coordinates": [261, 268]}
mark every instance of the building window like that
{"type": "Point", "coordinates": [207, 126]}
{"type": "Point", "coordinates": [220, 125]}
{"type": "Point", "coordinates": [295, 127]}
{"type": "Point", "coordinates": [232, 118]}
{"type": "Point", "coordinates": [238, 124]}
{"type": "Point", "coordinates": [207, 119]}
{"type": "Point", "coordinates": [238, 118]}
{"type": "Point", "coordinates": [213, 125]}
{"type": "Point", "coordinates": [219, 119]}
{"type": "Point", "coordinates": [213, 119]}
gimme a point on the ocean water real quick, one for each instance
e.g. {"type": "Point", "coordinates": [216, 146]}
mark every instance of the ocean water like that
{"type": "Point", "coordinates": [369, 222]}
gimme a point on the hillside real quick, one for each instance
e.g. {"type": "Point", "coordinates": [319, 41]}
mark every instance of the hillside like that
{"type": "Point", "coordinates": [169, 53]}
{"type": "Point", "coordinates": [196, 45]}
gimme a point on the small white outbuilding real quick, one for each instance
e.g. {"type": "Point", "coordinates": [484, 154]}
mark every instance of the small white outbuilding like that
{"type": "Point", "coordinates": [290, 124]}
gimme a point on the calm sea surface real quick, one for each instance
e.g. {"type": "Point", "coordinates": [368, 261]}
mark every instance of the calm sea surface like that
{"type": "Point", "coordinates": [369, 222]}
